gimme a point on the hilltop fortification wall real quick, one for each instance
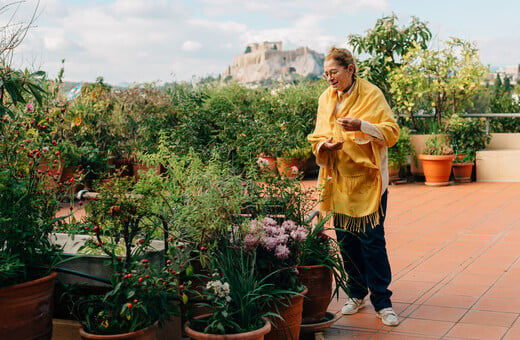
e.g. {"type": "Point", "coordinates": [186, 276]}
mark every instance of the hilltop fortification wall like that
{"type": "Point", "coordinates": [267, 61]}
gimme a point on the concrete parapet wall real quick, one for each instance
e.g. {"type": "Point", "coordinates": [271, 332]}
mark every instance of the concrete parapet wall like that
{"type": "Point", "coordinates": [501, 141]}
{"type": "Point", "coordinates": [500, 161]}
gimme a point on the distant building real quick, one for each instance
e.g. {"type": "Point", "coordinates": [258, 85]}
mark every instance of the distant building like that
{"type": "Point", "coordinates": [267, 60]}
{"type": "Point", "coordinates": [512, 72]}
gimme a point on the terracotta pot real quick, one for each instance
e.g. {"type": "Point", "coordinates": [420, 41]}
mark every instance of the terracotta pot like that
{"type": "Point", "coordinates": [26, 309]}
{"type": "Point", "coordinates": [149, 333]}
{"type": "Point", "coordinates": [291, 313]}
{"type": "Point", "coordinates": [393, 174]}
{"type": "Point", "coordinates": [122, 164]}
{"type": "Point", "coordinates": [318, 280]}
{"type": "Point", "coordinates": [290, 167]}
{"type": "Point", "coordinates": [268, 163]}
{"type": "Point", "coordinates": [136, 167]}
{"type": "Point", "coordinates": [462, 172]}
{"type": "Point", "coordinates": [437, 168]}
{"type": "Point", "coordinates": [257, 334]}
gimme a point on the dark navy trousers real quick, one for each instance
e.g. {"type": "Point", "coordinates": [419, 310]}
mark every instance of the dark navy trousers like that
{"type": "Point", "coordinates": [366, 261]}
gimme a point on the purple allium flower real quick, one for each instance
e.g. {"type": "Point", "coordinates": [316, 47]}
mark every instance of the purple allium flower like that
{"type": "Point", "coordinates": [250, 241]}
{"type": "Point", "coordinates": [270, 243]}
{"type": "Point", "coordinates": [299, 234]}
{"type": "Point", "coordinates": [255, 225]}
{"type": "Point", "coordinates": [289, 225]}
{"type": "Point", "coordinates": [269, 222]}
{"type": "Point", "coordinates": [283, 238]}
{"type": "Point", "coordinates": [273, 230]}
{"type": "Point", "coordinates": [281, 251]}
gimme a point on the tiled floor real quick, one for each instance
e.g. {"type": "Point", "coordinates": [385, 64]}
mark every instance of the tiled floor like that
{"type": "Point", "coordinates": [455, 257]}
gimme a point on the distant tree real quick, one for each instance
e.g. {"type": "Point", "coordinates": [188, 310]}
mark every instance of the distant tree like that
{"type": "Point", "coordinates": [507, 85]}
{"type": "Point", "coordinates": [386, 44]}
{"type": "Point", "coordinates": [248, 49]}
{"type": "Point", "coordinates": [497, 86]}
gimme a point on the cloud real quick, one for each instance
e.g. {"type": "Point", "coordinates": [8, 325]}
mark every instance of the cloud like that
{"type": "Point", "coordinates": [190, 46]}
{"type": "Point", "coordinates": [148, 40]}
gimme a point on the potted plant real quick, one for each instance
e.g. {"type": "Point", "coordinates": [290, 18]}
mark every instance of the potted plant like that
{"type": "Point", "coordinates": [467, 136]}
{"type": "Point", "coordinates": [235, 296]}
{"type": "Point", "coordinates": [399, 154]}
{"type": "Point", "coordinates": [463, 168]}
{"type": "Point", "coordinates": [145, 289]}
{"type": "Point", "coordinates": [278, 247]}
{"type": "Point", "coordinates": [437, 156]}
{"type": "Point", "coordinates": [201, 198]}
{"type": "Point", "coordinates": [29, 200]}
{"type": "Point", "coordinates": [320, 266]}
{"type": "Point", "coordinates": [293, 161]}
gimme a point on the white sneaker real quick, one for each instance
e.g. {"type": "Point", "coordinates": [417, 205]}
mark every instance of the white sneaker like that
{"type": "Point", "coordinates": [388, 316]}
{"type": "Point", "coordinates": [352, 306]}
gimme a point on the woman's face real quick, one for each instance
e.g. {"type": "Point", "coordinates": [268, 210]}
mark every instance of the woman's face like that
{"type": "Point", "coordinates": [339, 77]}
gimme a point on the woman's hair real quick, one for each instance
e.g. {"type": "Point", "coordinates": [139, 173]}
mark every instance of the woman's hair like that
{"type": "Point", "coordinates": [343, 57]}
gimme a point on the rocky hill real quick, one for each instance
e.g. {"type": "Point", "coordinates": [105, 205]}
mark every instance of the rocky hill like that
{"type": "Point", "coordinates": [267, 60]}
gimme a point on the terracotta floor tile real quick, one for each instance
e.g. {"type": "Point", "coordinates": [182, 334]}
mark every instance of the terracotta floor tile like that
{"type": "Point", "coordinates": [498, 305]}
{"type": "Point", "coordinates": [342, 334]}
{"type": "Point", "coordinates": [396, 335]}
{"type": "Point", "coordinates": [504, 292]}
{"type": "Point", "coordinates": [438, 313]}
{"type": "Point", "coordinates": [424, 327]}
{"type": "Point", "coordinates": [501, 319]}
{"type": "Point", "coordinates": [465, 289]}
{"type": "Point", "coordinates": [409, 291]}
{"type": "Point", "coordinates": [512, 334]}
{"type": "Point", "coordinates": [470, 278]}
{"type": "Point", "coordinates": [433, 276]}
{"type": "Point", "coordinates": [471, 331]}
{"type": "Point", "coordinates": [360, 320]}
{"type": "Point", "coordinates": [451, 300]}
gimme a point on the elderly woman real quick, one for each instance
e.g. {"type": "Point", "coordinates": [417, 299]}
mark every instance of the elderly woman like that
{"type": "Point", "coordinates": [354, 129]}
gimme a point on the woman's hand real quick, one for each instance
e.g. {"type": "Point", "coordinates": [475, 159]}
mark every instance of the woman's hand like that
{"type": "Point", "coordinates": [330, 145]}
{"type": "Point", "coordinates": [349, 123]}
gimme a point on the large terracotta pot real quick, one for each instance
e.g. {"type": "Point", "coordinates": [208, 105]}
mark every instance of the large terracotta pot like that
{"type": "Point", "coordinates": [268, 163]}
{"type": "Point", "coordinates": [437, 168]}
{"type": "Point", "coordinates": [291, 313]}
{"type": "Point", "coordinates": [26, 309]}
{"type": "Point", "coordinates": [257, 334]}
{"type": "Point", "coordinates": [137, 167]}
{"type": "Point", "coordinates": [318, 280]}
{"type": "Point", "coordinates": [149, 333]}
{"type": "Point", "coordinates": [291, 167]}
{"type": "Point", "coordinates": [462, 172]}
{"type": "Point", "coordinates": [393, 174]}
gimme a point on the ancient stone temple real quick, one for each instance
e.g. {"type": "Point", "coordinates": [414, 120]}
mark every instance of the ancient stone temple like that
{"type": "Point", "coordinates": [267, 60]}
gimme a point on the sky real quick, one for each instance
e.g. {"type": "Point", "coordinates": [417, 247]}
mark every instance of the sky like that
{"type": "Point", "coordinates": [144, 41]}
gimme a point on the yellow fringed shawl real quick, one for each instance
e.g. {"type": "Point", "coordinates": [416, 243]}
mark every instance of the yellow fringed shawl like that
{"type": "Point", "coordinates": [350, 179]}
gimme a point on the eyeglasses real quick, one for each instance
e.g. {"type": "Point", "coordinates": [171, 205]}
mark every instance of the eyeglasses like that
{"type": "Point", "coordinates": [332, 73]}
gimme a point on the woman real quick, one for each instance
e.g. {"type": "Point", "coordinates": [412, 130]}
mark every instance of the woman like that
{"type": "Point", "coordinates": [354, 129]}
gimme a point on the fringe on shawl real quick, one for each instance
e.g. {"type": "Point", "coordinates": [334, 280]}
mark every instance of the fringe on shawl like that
{"type": "Point", "coordinates": [358, 224]}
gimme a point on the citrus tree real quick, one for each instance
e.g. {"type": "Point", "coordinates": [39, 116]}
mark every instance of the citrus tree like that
{"type": "Point", "coordinates": [441, 81]}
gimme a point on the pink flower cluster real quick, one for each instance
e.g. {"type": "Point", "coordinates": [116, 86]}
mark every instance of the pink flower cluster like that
{"type": "Point", "coordinates": [274, 237]}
